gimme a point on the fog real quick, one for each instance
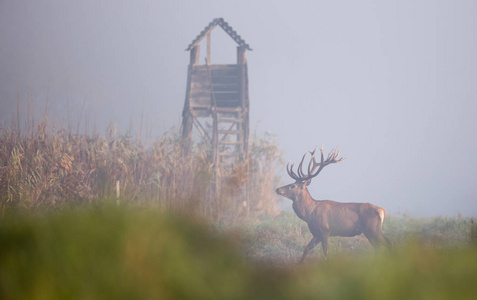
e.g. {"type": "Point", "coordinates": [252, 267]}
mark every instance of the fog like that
{"type": "Point", "coordinates": [392, 83]}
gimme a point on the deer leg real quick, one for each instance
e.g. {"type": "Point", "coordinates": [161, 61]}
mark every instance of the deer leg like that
{"type": "Point", "coordinates": [314, 241]}
{"type": "Point", "coordinates": [373, 241]}
{"type": "Point", "coordinates": [386, 242]}
{"type": "Point", "coordinates": [377, 241]}
{"type": "Point", "coordinates": [325, 243]}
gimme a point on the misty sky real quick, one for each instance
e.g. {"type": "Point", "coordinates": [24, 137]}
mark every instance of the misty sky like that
{"type": "Point", "coordinates": [392, 83]}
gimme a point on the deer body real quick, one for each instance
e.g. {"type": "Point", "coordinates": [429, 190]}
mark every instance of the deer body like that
{"type": "Point", "coordinates": [327, 218]}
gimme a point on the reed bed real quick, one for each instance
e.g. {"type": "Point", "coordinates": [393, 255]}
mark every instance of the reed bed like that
{"type": "Point", "coordinates": [50, 168]}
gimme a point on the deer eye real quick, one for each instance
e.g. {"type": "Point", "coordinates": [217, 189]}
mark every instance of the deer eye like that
{"type": "Point", "coordinates": [292, 187]}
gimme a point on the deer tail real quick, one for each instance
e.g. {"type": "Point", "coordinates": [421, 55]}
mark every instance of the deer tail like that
{"type": "Point", "coordinates": [381, 214]}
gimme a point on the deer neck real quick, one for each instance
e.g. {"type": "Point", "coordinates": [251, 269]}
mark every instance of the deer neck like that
{"type": "Point", "coordinates": [304, 205]}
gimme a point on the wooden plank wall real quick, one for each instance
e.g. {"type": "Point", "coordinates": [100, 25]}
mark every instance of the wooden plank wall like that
{"type": "Point", "coordinates": [226, 83]}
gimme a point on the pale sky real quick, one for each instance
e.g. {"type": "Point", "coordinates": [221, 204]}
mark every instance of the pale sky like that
{"type": "Point", "coordinates": [392, 83]}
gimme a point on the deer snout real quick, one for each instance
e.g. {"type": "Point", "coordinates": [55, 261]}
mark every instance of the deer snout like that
{"type": "Point", "coordinates": [279, 191]}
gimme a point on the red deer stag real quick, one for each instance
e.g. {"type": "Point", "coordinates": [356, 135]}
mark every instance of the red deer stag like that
{"type": "Point", "coordinates": [328, 218]}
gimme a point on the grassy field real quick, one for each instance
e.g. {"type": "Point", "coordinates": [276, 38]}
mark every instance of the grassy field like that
{"type": "Point", "coordinates": [108, 252]}
{"type": "Point", "coordinates": [282, 239]}
{"type": "Point", "coordinates": [68, 232]}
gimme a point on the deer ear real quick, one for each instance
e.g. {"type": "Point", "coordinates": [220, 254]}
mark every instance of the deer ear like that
{"type": "Point", "coordinates": [307, 182]}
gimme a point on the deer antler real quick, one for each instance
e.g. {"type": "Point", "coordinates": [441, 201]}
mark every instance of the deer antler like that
{"type": "Point", "coordinates": [313, 165]}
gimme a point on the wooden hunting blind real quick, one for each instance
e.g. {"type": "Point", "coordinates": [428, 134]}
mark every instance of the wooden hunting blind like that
{"type": "Point", "coordinates": [216, 102]}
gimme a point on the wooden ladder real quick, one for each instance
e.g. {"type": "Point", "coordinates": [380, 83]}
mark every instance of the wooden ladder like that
{"type": "Point", "coordinates": [230, 134]}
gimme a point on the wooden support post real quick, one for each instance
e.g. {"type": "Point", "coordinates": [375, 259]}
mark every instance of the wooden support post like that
{"type": "Point", "coordinates": [208, 49]}
{"type": "Point", "coordinates": [187, 121]}
{"type": "Point", "coordinates": [243, 94]}
{"type": "Point", "coordinates": [241, 57]}
{"type": "Point", "coordinates": [194, 55]}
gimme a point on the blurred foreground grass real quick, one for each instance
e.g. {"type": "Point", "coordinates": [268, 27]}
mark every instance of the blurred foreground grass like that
{"type": "Point", "coordinates": [106, 252]}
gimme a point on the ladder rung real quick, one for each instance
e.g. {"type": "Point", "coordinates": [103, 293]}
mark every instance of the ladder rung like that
{"type": "Point", "coordinates": [230, 131]}
{"type": "Point", "coordinates": [228, 154]}
{"type": "Point", "coordinates": [228, 109]}
{"type": "Point", "coordinates": [230, 143]}
{"type": "Point", "coordinates": [230, 121]}
{"type": "Point", "coordinates": [199, 106]}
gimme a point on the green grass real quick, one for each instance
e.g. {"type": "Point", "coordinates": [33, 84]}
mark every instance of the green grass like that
{"type": "Point", "coordinates": [281, 240]}
{"type": "Point", "coordinates": [106, 252]}
{"type": "Point", "coordinates": [110, 253]}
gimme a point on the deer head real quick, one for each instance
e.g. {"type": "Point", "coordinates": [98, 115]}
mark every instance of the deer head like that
{"type": "Point", "coordinates": [302, 180]}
